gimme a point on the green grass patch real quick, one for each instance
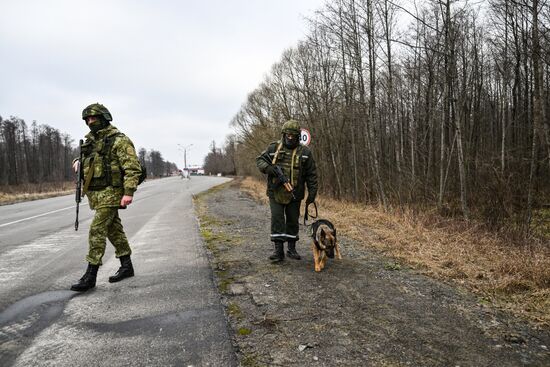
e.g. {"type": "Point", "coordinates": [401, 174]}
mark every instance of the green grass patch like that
{"type": "Point", "coordinates": [250, 360]}
{"type": "Point", "coordinates": [225, 283]}
{"type": "Point", "coordinates": [208, 221]}
{"type": "Point", "coordinates": [392, 266]}
{"type": "Point", "coordinates": [213, 239]}
{"type": "Point", "coordinates": [207, 234]}
{"type": "Point", "coordinates": [210, 236]}
{"type": "Point", "coordinates": [234, 310]}
{"type": "Point", "coordinates": [244, 331]}
{"type": "Point", "coordinates": [211, 190]}
{"type": "Point", "coordinates": [484, 301]}
{"type": "Point", "coordinates": [221, 274]}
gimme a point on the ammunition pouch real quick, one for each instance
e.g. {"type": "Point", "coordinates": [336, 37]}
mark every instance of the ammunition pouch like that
{"type": "Point", "coordinates": [99, 163]}
{"type": "Point", "coordinates": [290, 165]}
{"type": "Point", "coordinates": [281, 195]}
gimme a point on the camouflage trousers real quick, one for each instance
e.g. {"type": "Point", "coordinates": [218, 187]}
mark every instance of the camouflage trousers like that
{"type": "Point", "coordinates": [284, 220]}
{"type": "Point", "coordinates": [106, 225]}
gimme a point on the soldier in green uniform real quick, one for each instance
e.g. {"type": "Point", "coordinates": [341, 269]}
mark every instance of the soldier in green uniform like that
{"type": "Point", "coordinates": [111, 174]}
{"type": "Point", "coordinates": [298, 165]}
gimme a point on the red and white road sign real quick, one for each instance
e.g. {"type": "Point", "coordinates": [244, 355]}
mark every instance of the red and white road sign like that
{"type": "Point", "coordinates": [305, 136]}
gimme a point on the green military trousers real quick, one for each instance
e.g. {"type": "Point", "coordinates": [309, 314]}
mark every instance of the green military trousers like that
{"type": "Point", "coordinates": [106, 224]}
{"type": "Point", "coordinates": [284, 220]}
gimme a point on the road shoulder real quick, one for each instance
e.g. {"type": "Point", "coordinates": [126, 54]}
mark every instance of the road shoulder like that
{"type": "Point", "coordinates": [362, 309]}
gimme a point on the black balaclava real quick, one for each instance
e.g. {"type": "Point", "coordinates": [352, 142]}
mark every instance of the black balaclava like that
{"type": "Point", "coordinates": [101, 123]}
{"type": "Point", "coordinates": [291, 144]}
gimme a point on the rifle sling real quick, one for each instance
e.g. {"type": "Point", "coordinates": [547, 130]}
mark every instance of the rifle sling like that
{"type": "Point", "coordinates": [88, 178]}
{"type": "Point", "coordinates": [277, 153]}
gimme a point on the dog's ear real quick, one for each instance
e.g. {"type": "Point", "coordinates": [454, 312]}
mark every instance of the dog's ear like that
{"type": "Point", "coordinates": [323, 234]}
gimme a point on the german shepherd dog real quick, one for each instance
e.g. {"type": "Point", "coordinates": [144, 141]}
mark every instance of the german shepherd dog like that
{"type": "Point", "coordinates": [324, 243]}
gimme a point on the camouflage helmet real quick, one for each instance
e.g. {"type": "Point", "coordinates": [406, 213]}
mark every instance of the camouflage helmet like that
{"type": "Point", "coordinates": [97, 109]}
{"type": "Point", "coordinates": [291, 127]}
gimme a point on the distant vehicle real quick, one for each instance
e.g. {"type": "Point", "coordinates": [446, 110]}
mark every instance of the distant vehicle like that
{"type": "Point", "coordinates": [195, 170]}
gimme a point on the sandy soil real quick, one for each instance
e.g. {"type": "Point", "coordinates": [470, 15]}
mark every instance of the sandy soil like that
{"type": "Point", "coordinates": [363, 310]}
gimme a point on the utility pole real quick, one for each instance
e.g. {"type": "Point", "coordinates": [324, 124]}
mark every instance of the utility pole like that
{"type": "Point", "coordinates": [184, 149]}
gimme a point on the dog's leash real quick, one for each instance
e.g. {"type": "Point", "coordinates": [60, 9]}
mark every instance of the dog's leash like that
{"type": "Point", "coordinates": [307, 215]}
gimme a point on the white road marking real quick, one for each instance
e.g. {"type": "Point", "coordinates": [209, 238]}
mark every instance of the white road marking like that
{"type": "Point", "coordinates": [39, 215]}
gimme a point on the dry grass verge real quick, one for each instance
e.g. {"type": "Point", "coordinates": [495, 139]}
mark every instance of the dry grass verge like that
{"type": "Point", "coordinates": [26, 192]}
{"type": "Point", "coordinates": [509, 274]}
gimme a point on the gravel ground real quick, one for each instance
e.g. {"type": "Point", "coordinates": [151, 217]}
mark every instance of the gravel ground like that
{"type": "Point", "coordinates": [363, 310]}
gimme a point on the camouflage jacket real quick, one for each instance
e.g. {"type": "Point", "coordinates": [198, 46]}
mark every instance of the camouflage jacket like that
{"type": "Point", "coordinates": [124, 166]}
{"type": "Point", "coordinates": [298, 166]}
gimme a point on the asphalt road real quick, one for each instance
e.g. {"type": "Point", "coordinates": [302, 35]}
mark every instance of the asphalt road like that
{"type": "Point", "coordinates": [169, 314]}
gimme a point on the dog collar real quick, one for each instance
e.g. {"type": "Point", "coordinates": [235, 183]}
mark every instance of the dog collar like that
{"type": "Point", "coordinates": [315, 225]}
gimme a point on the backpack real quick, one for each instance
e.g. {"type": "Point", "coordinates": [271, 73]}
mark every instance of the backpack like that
{"type": "Point", "coordinates": [143, 174]}
{"type": "Point", "coordinates": [109, 141]}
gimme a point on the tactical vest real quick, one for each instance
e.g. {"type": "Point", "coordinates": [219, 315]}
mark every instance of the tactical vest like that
{"type": "Point", "coordinates": [289, 161]}
{"type": "Point", "coordinates": [99, 163]}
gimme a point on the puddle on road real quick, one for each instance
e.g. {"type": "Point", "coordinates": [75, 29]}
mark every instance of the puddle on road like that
{"type": "Point", "coordinates": [21, 322]}
{"type": "Point", "coordinates": [172, 322]}
{"type": "Point", "coordinates": [26, 306]}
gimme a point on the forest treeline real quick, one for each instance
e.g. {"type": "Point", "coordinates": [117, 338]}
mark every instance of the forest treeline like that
{"type": "Point", "coordinates": [221, 160]}
{"type": "Point", "coordinates": [449, 111]}
{"type": "Point", "coordinates": [42, 154]}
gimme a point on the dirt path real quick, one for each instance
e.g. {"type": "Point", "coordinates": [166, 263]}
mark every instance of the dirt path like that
{"type": "Point", "coordinates": [361, 311]}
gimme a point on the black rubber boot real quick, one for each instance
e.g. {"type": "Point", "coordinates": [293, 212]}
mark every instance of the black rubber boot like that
{"type": "Point", "coordinates": [279, 253]}
{"type": "Point", "coordinates": [291, 251]}
{"type": "Point", "coordinates": [126, 270]}
{"type": "Point", "coordinates": [88, 279]}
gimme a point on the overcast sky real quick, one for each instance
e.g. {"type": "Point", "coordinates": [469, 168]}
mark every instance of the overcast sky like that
{"type": "Point", "coordinates": [170, 72]}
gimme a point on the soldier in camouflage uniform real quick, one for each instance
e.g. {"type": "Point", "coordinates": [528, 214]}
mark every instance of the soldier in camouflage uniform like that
{"type": "Point", "coordinates": [111, 173]}
{"type": "Point", "coordinates": [298, 165]}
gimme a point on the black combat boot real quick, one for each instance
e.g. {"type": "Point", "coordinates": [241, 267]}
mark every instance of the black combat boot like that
{"type": "Point", "coordinates": [88, 279]}
{"type": "Point", "coordinates": [279, 253]}
{"type": "Point", "coordinates": [126, 270]}
{"type": "Point", "coordinates": [291, 251]}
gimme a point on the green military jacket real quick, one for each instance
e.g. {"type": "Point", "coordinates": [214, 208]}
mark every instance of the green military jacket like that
{"type": "Point", "coordinates": [122, 160]}
{"type": "Point", "coordinates": [298, 166]}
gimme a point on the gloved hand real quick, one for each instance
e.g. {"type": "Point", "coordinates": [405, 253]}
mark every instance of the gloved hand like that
{"type": "Point", "coordinates": [309, 200]}
{"type": "Point", "coordinates": [270, 170]}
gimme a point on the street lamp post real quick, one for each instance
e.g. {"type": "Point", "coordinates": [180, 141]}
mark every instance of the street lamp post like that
{"type": "Point", "coordinates": [185, 153]}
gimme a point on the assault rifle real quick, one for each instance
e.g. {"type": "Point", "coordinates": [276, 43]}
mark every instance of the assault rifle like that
{"type": "Point", "coordinates": [284, 180]}
{"type": "Point", "coordinates": [78, 194]}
